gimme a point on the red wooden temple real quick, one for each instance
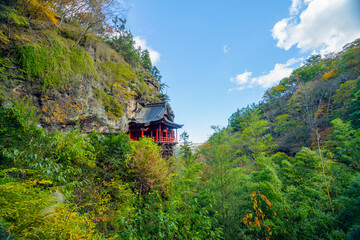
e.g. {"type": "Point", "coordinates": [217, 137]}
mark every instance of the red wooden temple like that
{"type": "Point", "coordinates": [156, 121]}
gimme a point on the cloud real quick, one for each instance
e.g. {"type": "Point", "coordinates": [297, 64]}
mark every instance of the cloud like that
{"type": "Point", "coordinates": [280, 71]}
{"type": "Point", "coordinates": [295, 6]}
{"type": "Point", "coordinates": [154, 55]}
{"type": "Point", "coordinates": [321, 25]}
{"type": "Point", "coordinates": [226, 48]}
{"type": "Point", "coordinates": [241, 78]}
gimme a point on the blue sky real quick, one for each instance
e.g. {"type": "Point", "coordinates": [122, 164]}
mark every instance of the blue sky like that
{"type": "Point", "coordinates": [218, 56]}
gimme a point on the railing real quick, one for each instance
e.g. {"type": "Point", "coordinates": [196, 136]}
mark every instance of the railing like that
{"type": "Point", "coordinates": [165, 139]}
{"type": "Point", "coordinates": [160, 139]}
{"type": "Point", "coordinates": [158, 136]}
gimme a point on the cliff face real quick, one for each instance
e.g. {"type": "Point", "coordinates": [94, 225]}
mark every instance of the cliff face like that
{"type": "Point", "coordinates": [87, 85]}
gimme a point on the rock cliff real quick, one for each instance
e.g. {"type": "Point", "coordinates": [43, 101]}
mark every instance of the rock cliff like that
{"type": "Point", "coordinates": [88, 85]}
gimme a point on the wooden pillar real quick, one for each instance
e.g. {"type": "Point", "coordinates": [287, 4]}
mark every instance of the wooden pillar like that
{"type": "Point", "coordinates": [151, 133]}
{"type": "Point", "coordinates": [130, 134]}
{"type": "Point", "coordinates": [166, 135]}
{"type": "Point", "coordinates": [157, 134]}
{"type": "Point", "coordinates": [160, 134]}
{"type": "Point", "coordinates": [142, 133]}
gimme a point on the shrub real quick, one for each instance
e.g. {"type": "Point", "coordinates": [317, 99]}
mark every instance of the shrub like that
{"type": "Point", "coordinates": [149, 168]}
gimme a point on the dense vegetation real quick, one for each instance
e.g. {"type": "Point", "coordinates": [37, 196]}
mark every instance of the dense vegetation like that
{"type": "Point", "coordinates": [286, 168]}
{"type": "Point", "coordinates": [77, 186]}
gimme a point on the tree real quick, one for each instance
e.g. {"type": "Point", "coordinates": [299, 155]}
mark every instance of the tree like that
{"type": "Point", "coordinates": [95, 14]}
{"type": "Point", "coordinates": [222, 187]}
{"type": "Point", "coordinates": [240, 118]}
{"type": "Point", "coordinates": [38, 9]}
{"type": "Point", "coordinates": [259, 219]}
{"type": "Point", "coordinates": [148, 167]}
{"type": "Point", "coordinates": [355, 106]}
{"type": "Point", "coordinates": [145, 60]}
{"type": "Point", "coordinates": [254, 138]}
{"type": "Point", "coordinates": [156, 73]}
{"type": "Point", "coordinates": [68, 9]}
{"type": "Point", "coordinates": [91, 14]}
{"type": "Point", "coordinates": [342, 97]}
{"type": "Point", "coordinates": [186, 152]}
{"type": "Point", "coordinates": [346, 143]}
{"type": "Point", "coordinates": [123, 42]}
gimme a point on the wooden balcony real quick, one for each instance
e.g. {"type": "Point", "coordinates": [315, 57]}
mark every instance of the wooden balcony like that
{"type": "Point", "coordinates": [159, 139]}
{"type": "Point", "coordinates": [165, 139]}
{"type": "Point", "coordinates": [157, 136]}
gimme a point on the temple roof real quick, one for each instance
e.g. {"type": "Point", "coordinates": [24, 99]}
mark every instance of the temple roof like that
{"type": "Point", "coordinates": [153, 112]}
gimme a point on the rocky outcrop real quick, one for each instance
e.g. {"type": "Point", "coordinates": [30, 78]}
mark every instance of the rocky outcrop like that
{"type": "Point", "coordinates": [76, 106]}
{"type": "Point", "coordinates": [102, 101]}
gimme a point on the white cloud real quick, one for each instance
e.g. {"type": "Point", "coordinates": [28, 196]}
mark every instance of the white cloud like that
{"type": "Point", "coordinates": [154, 55]}
{"type": "Point", "coordinates": [226, 48]}
{"type": "Point", "coordinates": [241, 78]}
{"type": "Point", "coordinates": [323, 25]}
{"type": "Point", "coordinates": [295, 7]}
{"type": "Point", "coordinates": [280, 71]}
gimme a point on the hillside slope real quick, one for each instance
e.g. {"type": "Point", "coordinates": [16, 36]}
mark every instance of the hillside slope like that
{"type": "Point", "coordinates": [87, 84]}
{"type": "Point", "coordinates": [323, 89]}
{"type": "Point", "coordinates": [288, 167]}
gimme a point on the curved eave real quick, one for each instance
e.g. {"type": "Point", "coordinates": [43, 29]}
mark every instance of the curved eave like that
{"type": "Point", "coordinates": [172, 124]}
{"type": "Point", "coordinates": [164, 121]}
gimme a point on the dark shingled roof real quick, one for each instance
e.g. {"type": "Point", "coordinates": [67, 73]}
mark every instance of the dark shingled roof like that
{"type": "Point", "coordinates": [154, 112]}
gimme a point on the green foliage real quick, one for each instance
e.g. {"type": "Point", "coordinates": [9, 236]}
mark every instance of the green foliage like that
{"type": "Point", "coordinates": [59, 156]}
{"type": "Point", "coordinates": [350, 57]}
{"type": "Point", "coordinates": [284, 123]}
{"type": "Point", "coordinates": [354, 115]}
{"type": "Point", "coordinates": [223, 188]}
{"type": "Point", "coordinates": [72, 148]}
{"type": "Point", "coordinates": [349, 208]}
{"type": "Point", "coordinates": [239, 118]}
{"type": "Point", "coordinates": [156, 219]}
{"type": "Point", "coordinates": [266, 148]}
{"type": "Point", "coordinates": [346, 143]}
{"type": "Point", "coordinates": [119, 72]}
{"type": "Point", "coordinates": [156, 73]}
{"type": "Point", "coordinates": [124, 42]}
{"type": "Point", "coordinates": [6, 72]}
{"type": "Point", "coordinates": [10, 15]}
{"type": "Point", "coordinates": [311, 71]}
{"type": "Point", "coordinates": [111, 154]}
{"type": "Point", "coordinates": [343, 96]}
{"type": "Point", "coordinates": [32, 214]}
{"type": "Point", "coordinates": [145, 60]}
{"type": "Point", "coordinates": [149, 168]}
{"type": "Point", "coordinates": [113, 108]}
{"type": "Point", "coordinates": [17, 129]}
{"type": "Point", "coordinates": [254, 136]}
{"type": "Point", "coordinates": [57, 66]}
{"type": "Point", "coordinates": [186, 151]}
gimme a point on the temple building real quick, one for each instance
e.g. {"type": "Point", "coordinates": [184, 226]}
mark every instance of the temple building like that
{"type": "Point", "coordinates": [156, 121]}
